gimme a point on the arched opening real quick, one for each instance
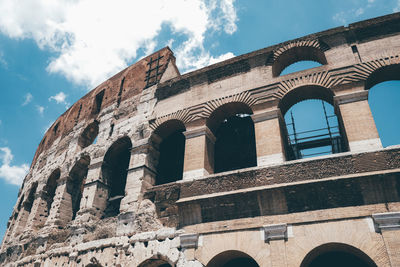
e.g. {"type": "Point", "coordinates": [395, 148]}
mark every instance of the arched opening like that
{"type": "Point", "coordinates": [75, 183]}
{"type": "Point", "coordinates": [26, 208]}
{"type": "Point", "coordinates": [337, 254]}
{"type": "Point", "coordinates": [297, 54]}
{"type": "Point", "coordinates": [300, 66]}
{"type": "Point", "coordinates": [89, 135]}
{"type": "Point", "coordinates": [172, 151]}
{"type": "Point", "coordinates": [313, 126]}
{"type": "Point", "coordinates": [235, 146]}
{"type": "Point", "coordinates": [155, 263]}
{"type": "Point", "coordinates": [232, 258]}
{"type": "Point", "coordinates": [384, 93]}
{"type": "Point", "coordinates": [50, 189]}
{"type": "Point", "coordinates": [31, 197]}
{"type": "Point", "coordinates": [115, 170]}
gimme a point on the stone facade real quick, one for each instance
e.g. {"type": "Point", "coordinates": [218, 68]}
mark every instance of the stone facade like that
{"type": "Point", "coordinates": [102, 189]}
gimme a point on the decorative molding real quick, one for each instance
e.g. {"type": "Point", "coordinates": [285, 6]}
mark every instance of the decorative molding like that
{"type": "Point", "coordinates": [181, 115]}
{"type": "Point", "coordinates": [269, 115]}
{"type": "Point", "coordinates": [275, 232]}
{"type": "Point", "coordinates": [210, 106]}
{"type": "Point", "coordinates": [276, 91]}
{"type": "Point", "coordinates": [350, 98]}
{"type": "Point", "coordinates": [387, 221]}
{"type": "Point", "coordinates": [204, 130]}
{"type": "Point", "coordinates": [189, 240]}
{"type": "Point", "coordinates": [315, 43]}
{"type": "Point", "coordinates": [322, 78]}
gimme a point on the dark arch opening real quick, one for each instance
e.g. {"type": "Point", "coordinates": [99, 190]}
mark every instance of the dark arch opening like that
{"type": "Point", "coordinates": [296, 54]}
{"type": "Point", "coordinates": [172, 152]}
{"type": "Point", "coordinates": [89, 134]}
{"type": "Point", "coordinates": [232, 258]}
{"type": "Point", "coordinates": [115, 170]}
{"type": "Point", "coordinates": [155, 263]}
{"type": "Point", "coordinates": [383, 96]}
{"type": "Point", "coordinates": [31, 197]}
{"type": "Point", "coordinates": [235, 146]}
{"type": "Point", "coordinates": [313, 126]}
{"type": "Point", "coordinates": [76, 181]}
{"type": "Point", "coordinates": [337, 254]}
{"type": "Point", "coordinates": [50, 189]}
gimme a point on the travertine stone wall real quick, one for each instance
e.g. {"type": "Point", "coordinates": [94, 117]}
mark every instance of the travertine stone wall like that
{"type": "Point", "coordinates": [279, 213]}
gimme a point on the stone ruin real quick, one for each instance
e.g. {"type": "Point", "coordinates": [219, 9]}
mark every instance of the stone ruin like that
{"type": "Point", "coordinates": [153, 168]}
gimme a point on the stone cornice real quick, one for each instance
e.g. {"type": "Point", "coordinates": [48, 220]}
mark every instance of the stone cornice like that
{"type": "Point", "coordinates": [199, 132]}
{"type": "Point", "coordinates": [387, 221]}
{"type": "Point", "coordinates": [275, 232]}
{"type": "Point", "coordinates": [353, 97]}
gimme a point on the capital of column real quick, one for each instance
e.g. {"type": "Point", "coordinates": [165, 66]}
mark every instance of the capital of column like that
{"type": "Point", "coordinates": [144, 144]}
{"type": "Point", "coordinates": [352, 97]}
{"type": "Point", "coordinates": [275, 232]}
{"type": "Point", "coordinates": [189, 240]}
{"type": "Point", "coordinates": [204, 130]}
{"type": "Point", "coordinates": [264, 116]}
{"type": "Point", "coordinates": [387, 221]}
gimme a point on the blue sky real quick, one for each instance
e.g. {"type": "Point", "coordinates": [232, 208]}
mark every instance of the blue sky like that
{"type": "Point", "coordinates": [51, 57]}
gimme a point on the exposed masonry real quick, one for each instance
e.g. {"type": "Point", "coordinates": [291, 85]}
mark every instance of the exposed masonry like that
{"type": "Point", "coordinates": [94, 194]}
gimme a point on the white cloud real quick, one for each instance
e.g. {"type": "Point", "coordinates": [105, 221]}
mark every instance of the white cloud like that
{"type": "Point", "coordinates": [27, 99]}
{"type": "Point", "coordinates": [40, 109]}
{"type": "Point", "coordinates": [359, 11]}
{"type": "Point", "coordinates": [397, 7]}
{"type": "Point", "coordinates": [12, 174]}
{"type": "Point", "coordinates": [59, 98]}
{"type": "Point", "coordinates": [352, 14]}
{"type": "Point", "coordinates": [3, 61]}
{"type": "Point", "coordinates": [96, 38]}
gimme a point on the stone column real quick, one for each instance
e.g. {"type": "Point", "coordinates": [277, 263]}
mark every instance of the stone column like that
{"type": "Point", "coordinates": [388, 224]}
{"type": "Point", "coordinates": [141, 172]}
{"type": "Point", "coordinates": [269, 144]}
{"type": "Point", "coordinates": [20, 222]}
{"type": "Point", "coordinates": [275, 235]}
{"type": "Point", "coordinates": [39, 212]}
{"type": "Point", "coordinates": [61, 209]}
{"type": "Point", "coordinates": [189, 243]}
{"type": "Point", "coordinates": [358, 122]}
{"type": "Point", "coordinates": [95, 192]}
{"type": "Point", "coordinates": [199, 152]}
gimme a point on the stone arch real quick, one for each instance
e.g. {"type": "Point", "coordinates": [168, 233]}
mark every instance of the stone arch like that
{"type": "Point", "coordinates": [25, 209]}
{"type": "Point", "coordinates": [75, 183]}
{"type": "Point", "coordinates": [382, 85]}
{"type": "Point", "coordinates": [157, 261]}
{"type": "Point", "coordinates": [232, 258]}
{"type": "Point", "coordinates": [89, 134]}
{"type": "Point", "coordinates": [337, 254]}
{"type": "Point", "coordinates": [312, 50]}
{"type": "Point", "coordinates": [338, 142]}
{"type": "Point", "coordinates": [305, 92]}
{"type": "Point", "coordinates": [114, 173]}
{"type": "Point", "coordinates": [382, 74]}
{"type": "Point", "coordinates": [171, 148]}
{"type": "Point", "coordinates": [49, 191]}
{"type": "Point", "coordinates": [234, 133]}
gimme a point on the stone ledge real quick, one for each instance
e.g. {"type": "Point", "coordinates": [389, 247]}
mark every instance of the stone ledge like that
{"type": "Point", "coordinates": [275, 232]}
{"type": "Point", "coordinates": [189, 240]}
{"type": "Point", "coordinates": [387, 221]}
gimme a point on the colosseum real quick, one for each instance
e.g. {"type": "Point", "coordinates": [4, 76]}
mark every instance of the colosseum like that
{"type": "Point", "coordinates": [153, 168]}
